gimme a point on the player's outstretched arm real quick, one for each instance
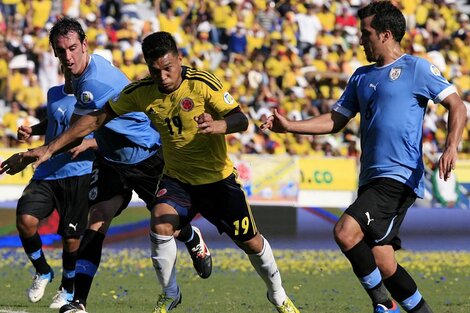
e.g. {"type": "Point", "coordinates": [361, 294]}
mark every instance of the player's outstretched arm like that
{"type": "Point", "coordinates": [276, 123]}
{"type": "Point", "coordinates": [72, 136]}
{"type": "Point", "coordinates": [15, 163]}
{"type": "Point", "coordinates": [318, 125]}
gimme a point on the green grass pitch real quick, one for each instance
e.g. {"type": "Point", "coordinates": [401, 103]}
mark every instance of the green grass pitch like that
{"type": "Point", "coordinates": [317, 281]}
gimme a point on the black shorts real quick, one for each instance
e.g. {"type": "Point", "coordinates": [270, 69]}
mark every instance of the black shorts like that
{"type": "Point", "coordinates": [67, 195]}
{"type": "Point", "coordinates": [111, 179]}
{"type": "Point", "coordinates": [222, 203]}
{"type": "Point", "coordinates": [380, 209]}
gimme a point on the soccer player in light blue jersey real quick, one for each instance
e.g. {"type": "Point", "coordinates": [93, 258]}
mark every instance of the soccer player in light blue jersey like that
{"type": "Point", "coordinates": [391, 96]}
{"type": "Point", "coordinates": [128, 158]}
{"type": "Point", "coordinates": [62, 184]}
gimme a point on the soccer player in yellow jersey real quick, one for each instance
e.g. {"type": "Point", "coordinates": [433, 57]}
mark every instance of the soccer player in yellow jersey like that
{"type": "Point", "coordinates": [192, 112]}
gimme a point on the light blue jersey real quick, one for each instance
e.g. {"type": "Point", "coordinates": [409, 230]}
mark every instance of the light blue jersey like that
{"type": "Point", "coordinates": [60, 107]}
{"type": "Point", "coordinates": [127, 139]}
{"type": "Point", "coordinates": [392, 101]}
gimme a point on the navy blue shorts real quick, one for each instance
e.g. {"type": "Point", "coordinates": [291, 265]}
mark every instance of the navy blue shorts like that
{"type": "Point", "coordinates": [111, 179]}
{"type": "Point", "coordinates": [222, 203]}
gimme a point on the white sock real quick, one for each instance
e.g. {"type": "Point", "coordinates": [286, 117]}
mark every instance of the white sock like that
{"type": "Point", "coordinates": [163, 251]}
{"type": "Point", "coordinates": [265, 264]}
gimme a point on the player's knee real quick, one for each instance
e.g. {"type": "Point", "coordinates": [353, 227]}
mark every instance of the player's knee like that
{"type": "Point", "coordinates": [387, 266]}
{"type": "Point", "coordinates": [346, 237]}
{"type": "Point", "coordinates": [253, 245]}
{"type": "Point", "coordinates": [165, 229]}
{"type": "Point", "coordinates": [387, 269]}
{"type": "Point", "coordinates": [71, 244]}
{"type": "Point", "coordinates": [26, 225]}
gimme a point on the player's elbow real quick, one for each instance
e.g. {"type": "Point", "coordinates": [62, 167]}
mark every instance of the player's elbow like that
{"type": "Point", "coordinates": [244, 123]}
{"type": "Point", "coordinates": [236, 122]}
{"type": "Point", "coordinates": [336, 129]}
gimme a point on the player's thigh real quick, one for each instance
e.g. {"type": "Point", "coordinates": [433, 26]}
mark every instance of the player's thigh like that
{"type": "Point", "coordinates": [72, 205]}
{"type": "Point", "coordinates": [144, 177]}
{"type": "Point", "coordinates": [225, 205]}
{"type": "Point", "coordinates": [38, 199]}
{"type": "Point", "coordinates": [380, 209]}
{"type": "Point", "coordinates": [174, 197]}
{"type": "Point", "coordinates": [105, 184]}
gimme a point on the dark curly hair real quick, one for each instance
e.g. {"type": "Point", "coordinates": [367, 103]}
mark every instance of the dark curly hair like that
{"type": "Point", "coordinates": [158, 44]}
{"type": "Point", "coordinates": [386, 17]}
{"type": "Point", "coordinates": [63, 26]}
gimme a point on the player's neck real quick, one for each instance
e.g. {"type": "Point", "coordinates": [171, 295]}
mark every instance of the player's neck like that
{"type": "Point", "coordinates": [392, 54]}
{"type": "Point", "coordinates": [88, 60]}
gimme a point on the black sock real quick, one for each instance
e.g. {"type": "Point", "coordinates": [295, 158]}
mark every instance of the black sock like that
{"type": "Point", "coordinates": [185, 236]}
{"type": "Point", "coordinates": [185, 233]}
{"type": "Point", "coordinates": [400, 284]}
{"type": "Point", "coordinates": [361, 258]}
{"type": "Point", "coordinates": [402, 287]}
{"type": "Point", "coordinates": [88, 261]}
{"type": "Point", "coordinates": [421, 307]}
{"type": "Point", "coordinates": [33, 248]}
{"type": "Point", "coordinates": [68, 270]}
{"type": "Point", "coordinates": [363, 263]}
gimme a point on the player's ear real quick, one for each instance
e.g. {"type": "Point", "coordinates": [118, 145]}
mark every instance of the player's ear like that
{"type": "Point", "coordinates": [387, 35]}
{"type": "Point", "coordinates": [85, 45]}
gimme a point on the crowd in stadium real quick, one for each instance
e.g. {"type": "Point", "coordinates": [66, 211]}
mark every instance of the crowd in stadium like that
{"type": "Point", "coordinates": [295, 56]}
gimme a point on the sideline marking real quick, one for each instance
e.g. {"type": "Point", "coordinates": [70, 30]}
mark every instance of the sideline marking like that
{"type": "Point", "coordinates": [8, 311]}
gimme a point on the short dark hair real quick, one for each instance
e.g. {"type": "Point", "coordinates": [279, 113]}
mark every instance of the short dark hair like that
{"type": "Point", "coordinates": [158, 44]}
{"type": "Point", "coordinates": [386, 17]}
{"type": "Point", "coordinates": [63, 26]}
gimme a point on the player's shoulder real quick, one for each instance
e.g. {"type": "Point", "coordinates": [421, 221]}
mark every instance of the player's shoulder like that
{"type": "Point", "coordinates": [98, 60]}
{"type": "Point", "coordinates": [412, 61]}
{"type": "Point", "coordinates": [364, 69]}
{"type": "Point", "coordinates": [138, 86]}
{"type": "Point", "coordinates": [423, 66]}
{"type": "Point", "coordinates": [101, 69]}
{"type": "Point", "coordinates": [55, 91]}
{"type": "Point", "coordinates": [203, 78]}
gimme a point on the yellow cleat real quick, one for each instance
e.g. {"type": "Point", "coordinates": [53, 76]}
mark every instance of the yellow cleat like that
{"type": "Point", "coordinates": [287, 307]}
{"type": "Point", "coordinates": [165, 304]}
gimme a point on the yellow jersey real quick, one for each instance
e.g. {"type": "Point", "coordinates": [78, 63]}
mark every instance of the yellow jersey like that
{"type": "Point", "coordinates": [190, 157]}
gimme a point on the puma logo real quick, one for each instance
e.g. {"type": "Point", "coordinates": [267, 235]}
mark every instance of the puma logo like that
{"type": "Point", "coordinates": [373, 86]}
{"type": "Point", "coordinates": [73, 226]}
{"type": "Point", "coordinates": [368, 218]}
{"type": "Point", "coordinates": [274, 274]}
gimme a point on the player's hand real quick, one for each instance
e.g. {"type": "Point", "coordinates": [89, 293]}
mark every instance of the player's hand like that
{"type": "Point", "coordinates": [276, 123]}
{"type": "Point", "coordinates": [39, 154]}
{"type": "Point", "coordinates": [85, 145]}
{"type": "Point", "coordinates": [16, 163]}
{"type": "Point", "coordinates": [24, 133]}
{"type": "Point", "coordinates": [207, 125]}
{"type": "Point", "coordinates": [447, 163]}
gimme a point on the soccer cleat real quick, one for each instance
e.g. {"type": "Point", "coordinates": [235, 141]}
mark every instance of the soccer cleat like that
{"type": "Point", "coordinates": [201, 256]}
{"type": "Point", "coordinates": [380, 308]}
{"type": "Point", "coordinates": [165, 304]}
{"type": "Point", "coordinates": [287, 307]}
{"type": "Point", "coordinates": [73, 307]}
{"type": "Point", "coordinates": [40, 281]}
{"type": "Point", "coordinates": [61, 298]}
